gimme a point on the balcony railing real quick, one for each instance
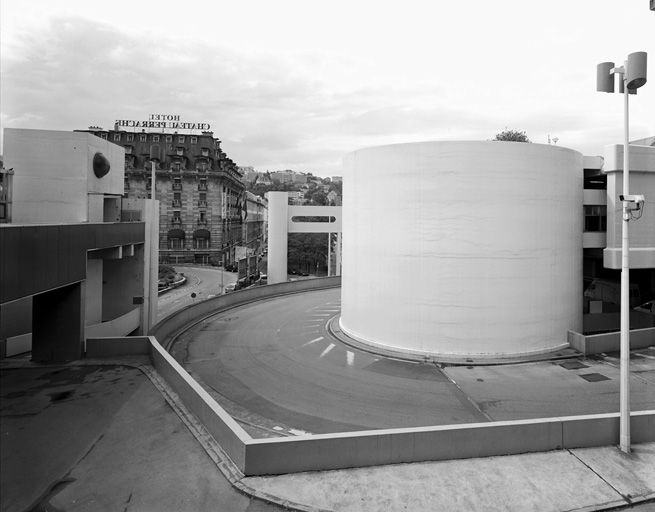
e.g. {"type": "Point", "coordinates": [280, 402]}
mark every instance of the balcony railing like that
{"type": "Point", "coordinates": [177, 186]}
{"type": "Point", "coordinates": [177, 203]}
{"type": "Point", "coordinates": [202, 222]}
{"type": "Point", "coordinates": [176, 221]}
{"type": "Point", "coordinates": [202, 204]}
{"type": "Point", "coordinates": [202, 186]}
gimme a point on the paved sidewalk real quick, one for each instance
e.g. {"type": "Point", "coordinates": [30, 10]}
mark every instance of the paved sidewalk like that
{"type": "Point", "coordinates": [103, 438]}
{"type": "Point", "coordinates": [584, 479]}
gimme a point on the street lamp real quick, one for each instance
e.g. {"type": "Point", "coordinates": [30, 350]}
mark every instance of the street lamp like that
{"type": "Point", "coordinates": [632, 76]}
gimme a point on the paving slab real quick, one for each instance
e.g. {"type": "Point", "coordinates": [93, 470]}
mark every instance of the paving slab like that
{"type": "Point", "coordinates": [632, 475]}
{"type": "Point", "coordinates": [552, 481]}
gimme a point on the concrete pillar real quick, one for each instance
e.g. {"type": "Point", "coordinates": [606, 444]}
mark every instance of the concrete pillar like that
{"type": "Point", "coordinates": [58, 324]}
{"type": "Point", "coordinates": [93, 302]}
{"type": "Point", "coordinates": [151, 265]}
{"type": "Point", "coordinates": [278, 233]}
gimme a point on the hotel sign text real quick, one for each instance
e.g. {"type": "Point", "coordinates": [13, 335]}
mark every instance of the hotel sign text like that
{"type": "Point", "coordinates": [162, 121]}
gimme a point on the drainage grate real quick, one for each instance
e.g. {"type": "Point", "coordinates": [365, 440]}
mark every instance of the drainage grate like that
{"type": "Point", "coordinates": [594, 377]}
{"type": "Point", "coordinates": [573, 365]}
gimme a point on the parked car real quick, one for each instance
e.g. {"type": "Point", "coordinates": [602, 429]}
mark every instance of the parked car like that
{"type": "Point", "coordinates": [647, 307]}
{"type": "Point", "coordinates": [230, 287]}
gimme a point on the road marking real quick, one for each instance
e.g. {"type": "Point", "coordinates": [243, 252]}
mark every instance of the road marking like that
{"type": "Point", "coordinates": [312, 341]}
{"type": "Point", "coordinates": [644, 355]}
{"type": "Point", "coordinates": [329, 347]}
{"type": "Point", "coordinates": [297, 432]}
{"type": "Point", "coordinates": [350, 358]}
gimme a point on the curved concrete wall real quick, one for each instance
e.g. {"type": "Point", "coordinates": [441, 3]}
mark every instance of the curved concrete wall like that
{"type": "Point", "coordinates": [462, 248]}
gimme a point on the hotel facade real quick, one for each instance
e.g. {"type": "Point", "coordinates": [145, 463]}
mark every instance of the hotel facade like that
{"type": "Point", "coordinates": [203, 217]}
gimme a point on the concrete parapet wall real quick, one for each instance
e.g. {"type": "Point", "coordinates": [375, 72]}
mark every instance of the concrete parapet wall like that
{"type": "Point", "coordinates": [218, 423]}
{"type": "Point", "coordinates": [611, 341]}
{"type": "Point", "coordinates": [119, 326]}
{"type": "Point", "coordinates": [166, 330]}
{"type": "Point", "coordinates": [114, 347]}
{"type": "Point", "coordinates": [372, 448]}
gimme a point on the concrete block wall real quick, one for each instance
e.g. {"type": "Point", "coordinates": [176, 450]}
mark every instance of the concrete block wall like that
{"type": "Point", "coordinates": [611, 341]}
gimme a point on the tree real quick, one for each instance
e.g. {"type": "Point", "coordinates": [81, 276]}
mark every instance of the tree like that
{"type": "Point", "coordinates": [511, 136]}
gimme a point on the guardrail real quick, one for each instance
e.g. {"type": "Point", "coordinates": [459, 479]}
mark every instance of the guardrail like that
{"type": "Point", "coordinates": [356, 449]}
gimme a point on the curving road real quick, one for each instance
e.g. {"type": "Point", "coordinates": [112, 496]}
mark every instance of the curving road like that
{"type": "Point", "coordinates": [205, 282]}
{"type": "Point", "coordinates": [273, 364]}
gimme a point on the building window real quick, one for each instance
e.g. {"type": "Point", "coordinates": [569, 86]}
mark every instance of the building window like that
{"type": "Point", "coordinates": [595, 218]}
{"type": "Point", "coordinates": [130, 137]}
{"type": "Point", "coordinates": [177, 199]}
{"type": "Point", "coordinates": [177, 184]}
{"type": "Point", "coordinates": [103, 136]}
{"type": "Point", "coordinates": [117, 137]}
{"type": "Point", "coordinates": [126, 183]}
{"type": "Point", "coordinates": [143, 137]}
{"type": "Point", "coordinates": [194, 140]}
{"type": "Point", "coordinates": [202, 184]}
{"type": "Point", "coordinates": [204, 152]}
{"type": "Point", "coordinates": [155, 138]}
{"type": "Point", "coordinates": [180, 139]}
{"type": "Point", "coordinates": [202, 218]}
{"type": "Point", "coordinates": [169, 138]}
{"type": "Point", "coordinates": [180, 151]}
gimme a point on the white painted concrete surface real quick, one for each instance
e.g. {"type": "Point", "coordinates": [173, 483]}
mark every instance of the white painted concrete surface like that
{"type": "Point", "coordinates": [642, 181]}
{"type": "Point", "coordinates": [462, 248]}
{"type": "Point", "coordinates": [277, 236]}
{"type": "Point", "coordinates": [53, 174]}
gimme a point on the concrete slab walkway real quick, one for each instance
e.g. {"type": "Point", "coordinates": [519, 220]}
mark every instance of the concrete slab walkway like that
{"type": "Point", "coordinates": [584, 479]}
{"type": "Point", "coordinates": [102, 438]}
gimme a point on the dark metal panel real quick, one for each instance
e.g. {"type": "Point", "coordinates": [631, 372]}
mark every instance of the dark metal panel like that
{"type": "Point", "coordinates": [27, 259]}
{"type": "Point", "coordinates": [38, 258]}
{"type": "Point", "coordinates": [9, 279]}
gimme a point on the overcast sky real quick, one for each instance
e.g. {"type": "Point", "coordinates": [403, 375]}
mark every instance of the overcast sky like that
{"type": "Point", "coordinates": [298, 84]}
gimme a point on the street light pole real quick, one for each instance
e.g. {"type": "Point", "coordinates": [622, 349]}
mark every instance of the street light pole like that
{"type": "Point", "coordinates": [624, 399]}
{"type": "Point", "coordinates": [632, 75]}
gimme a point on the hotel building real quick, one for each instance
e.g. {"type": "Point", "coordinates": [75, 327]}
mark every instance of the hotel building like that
{"type": "Point", "coordinates": [200, 191]}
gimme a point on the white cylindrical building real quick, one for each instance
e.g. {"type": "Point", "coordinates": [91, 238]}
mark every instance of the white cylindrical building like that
{"type": "Point", "coordinates": [462, 249]}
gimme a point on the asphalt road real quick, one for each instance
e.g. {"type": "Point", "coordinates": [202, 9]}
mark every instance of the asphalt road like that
{"type": "Point", "coordinates": [205, 282]}
{"type": "Point", "coordinates": [273, 363]}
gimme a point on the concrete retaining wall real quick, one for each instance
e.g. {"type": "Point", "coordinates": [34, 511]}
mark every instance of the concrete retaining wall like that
{"type": "Point", "coordinates": [611, 341]}
{"type": "Point", "coordinates": [215, 419]}
{"type": "Point", "coordinates": [119, 326]}
{"type": "Point", "coordinates": [372, 448]}
{"type": "Point", "coordinates": [166, 330]}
